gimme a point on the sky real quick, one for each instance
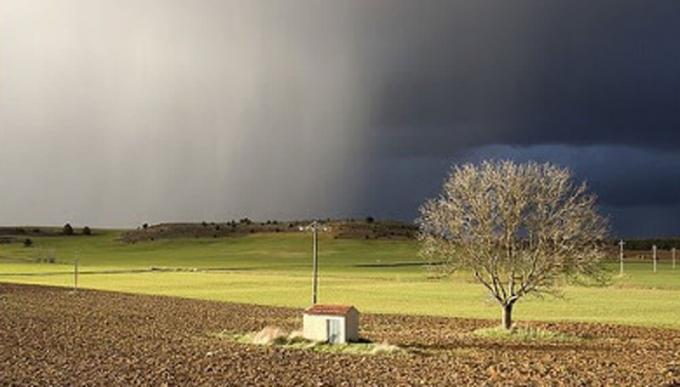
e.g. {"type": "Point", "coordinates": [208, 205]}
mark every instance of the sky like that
{"type": "Point", "coordinates": [116, 113]}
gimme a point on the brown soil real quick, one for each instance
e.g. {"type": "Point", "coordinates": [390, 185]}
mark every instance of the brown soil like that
{"type": "Point", "coordinates": [51, 336]}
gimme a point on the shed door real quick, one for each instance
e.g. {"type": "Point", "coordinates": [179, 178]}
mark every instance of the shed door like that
{"type": "Point", "coordinates": [333, 330]}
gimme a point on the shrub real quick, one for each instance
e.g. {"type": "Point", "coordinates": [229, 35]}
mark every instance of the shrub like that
{"type": "Point", "coordinates": [370, 219]}
{"type": "Point", "coordinates": [145, 226]}
{"type": "Point", "coordinates": [28, 242]}
{"type": "Point", "coordinates": [87, 231]}
{"type": "Point", "coordinates": [68, 230]}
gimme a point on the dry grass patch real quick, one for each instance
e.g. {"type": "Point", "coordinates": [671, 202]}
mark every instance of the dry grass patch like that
{"type": "Point", "coordinates": [530, 334]}
{"type": "Point", "coordinates": [275, 336]}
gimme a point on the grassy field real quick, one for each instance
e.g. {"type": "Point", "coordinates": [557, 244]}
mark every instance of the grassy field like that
{"type": "Point", "coordinates": [376, 276]}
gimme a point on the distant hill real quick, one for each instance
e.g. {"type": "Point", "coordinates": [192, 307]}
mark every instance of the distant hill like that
{"type": "Point", "coordinates": [38, 231]}
{"type": "Point", "coordinates": [29, 231]}
{"type": "Point", "coordinates": [18, 234]}
{"type": "Point", "coordinates": [339, 229]}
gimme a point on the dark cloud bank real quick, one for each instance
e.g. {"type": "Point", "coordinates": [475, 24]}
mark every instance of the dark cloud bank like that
{"type": "Point", "coordinates": [114, 113]}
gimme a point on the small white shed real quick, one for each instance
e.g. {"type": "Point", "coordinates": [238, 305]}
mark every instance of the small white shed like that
{"type": "Point", "coordinates": [331, 323]}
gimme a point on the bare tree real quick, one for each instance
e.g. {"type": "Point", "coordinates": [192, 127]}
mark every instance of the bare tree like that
{"type": "Point", "coordinates": [519, 228]}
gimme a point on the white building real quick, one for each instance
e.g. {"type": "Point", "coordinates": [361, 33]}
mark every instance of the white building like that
{"type": "Point", "coordinates": [331, 323]}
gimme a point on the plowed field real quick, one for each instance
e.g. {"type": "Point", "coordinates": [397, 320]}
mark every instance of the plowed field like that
{"type": "Point", "coordinates": [51, 336]}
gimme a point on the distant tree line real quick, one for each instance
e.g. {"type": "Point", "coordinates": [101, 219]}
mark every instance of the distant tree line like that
{"type": "Point", "coordinates": [646, 244]}
{"type": "Point", "coordinates": [68, 230]}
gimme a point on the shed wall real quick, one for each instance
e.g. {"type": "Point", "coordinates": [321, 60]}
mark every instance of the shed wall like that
{"type": "Point", "coordinates": [352, 326]}
{"type": "Point", "coordinates": [314, 327]}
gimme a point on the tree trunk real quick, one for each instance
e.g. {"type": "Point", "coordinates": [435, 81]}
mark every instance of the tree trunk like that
{"type": "Point", "coordinates": [507, 316]}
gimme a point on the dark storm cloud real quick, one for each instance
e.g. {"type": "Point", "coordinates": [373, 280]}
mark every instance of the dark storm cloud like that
{"type": "Point", "coordinates": [621, 176]}
{"type": "Point", "coordinates": [530, 73]}
{"type": "Point", "coordinates": [639, 190]}
{"type": "Point", "coordinates": [593, 86]}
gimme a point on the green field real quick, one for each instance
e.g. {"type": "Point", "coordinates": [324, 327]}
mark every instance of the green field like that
{"type": "Point", "coordinates": [376, 276]}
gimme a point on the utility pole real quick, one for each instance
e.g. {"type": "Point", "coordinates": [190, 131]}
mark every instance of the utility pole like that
{"type": "Point", "coordinates": [75, 273]}
{"type": "Point", "coordinates": [621, 243]}
{"type": "Point", "coordinates": [315, 263]}
{"type": "Point", "coordinates": [315, 226]}
{"type": "Point", "coordinates": [654, 256]}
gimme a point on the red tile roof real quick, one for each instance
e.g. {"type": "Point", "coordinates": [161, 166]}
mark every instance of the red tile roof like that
{"type": "Point", "coordinates": [333, 310]}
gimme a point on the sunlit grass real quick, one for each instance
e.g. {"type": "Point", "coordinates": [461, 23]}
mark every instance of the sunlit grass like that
{"type": "Point", "coordinates": [274, 269]}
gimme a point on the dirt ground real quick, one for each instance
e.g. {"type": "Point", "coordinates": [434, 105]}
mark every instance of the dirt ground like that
{"type": "Point", "coordinates": [51, 336]}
